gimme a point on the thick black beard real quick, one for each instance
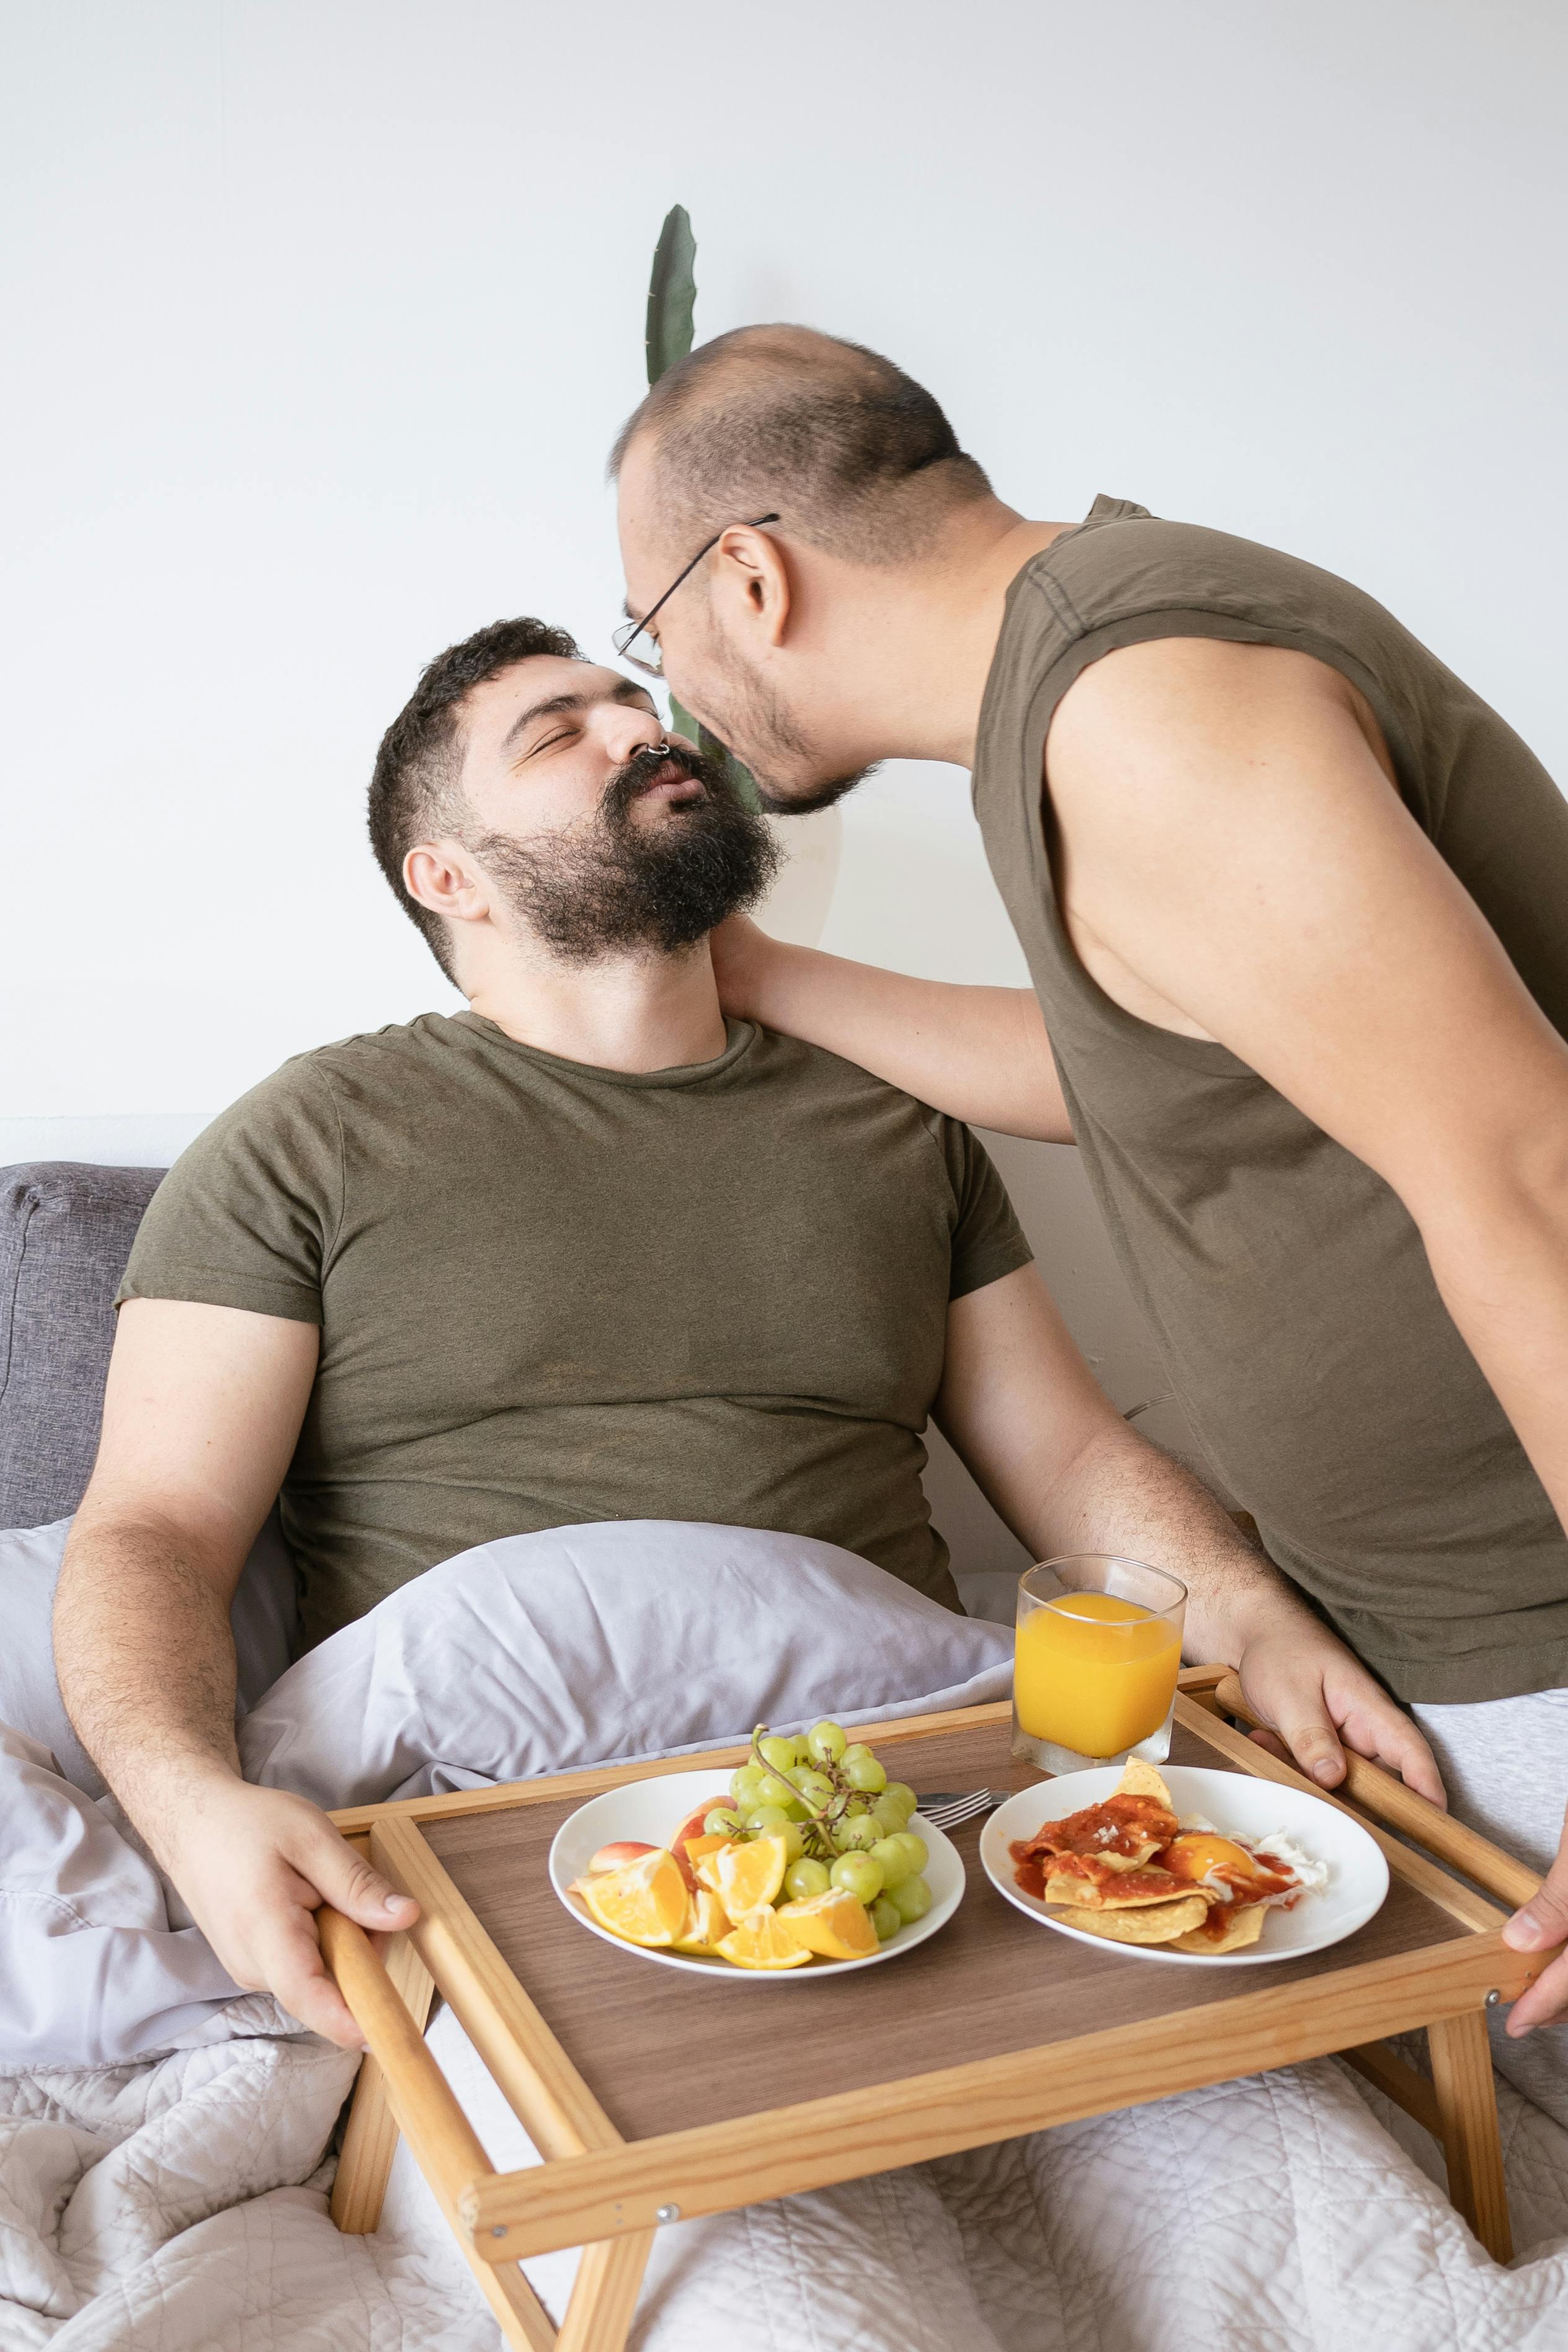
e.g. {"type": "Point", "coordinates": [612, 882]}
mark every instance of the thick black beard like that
{"type": "Point", "coordinates": [613, 886]}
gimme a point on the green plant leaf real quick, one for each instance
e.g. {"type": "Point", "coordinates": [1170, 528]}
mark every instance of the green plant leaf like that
{"type": "Point", "coordinates": [671, 300]}
{"type": "Point", "coordinates": [672, 293]}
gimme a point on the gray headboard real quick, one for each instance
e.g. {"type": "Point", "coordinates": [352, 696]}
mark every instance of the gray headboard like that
{"type": "Point", "coordinates": [65, 1231]}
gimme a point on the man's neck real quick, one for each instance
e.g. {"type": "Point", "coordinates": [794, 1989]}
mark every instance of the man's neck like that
{"type": "Point", "coordinates": [925, 638]}
{"type": "Point", "coordinates": [657, 1012]}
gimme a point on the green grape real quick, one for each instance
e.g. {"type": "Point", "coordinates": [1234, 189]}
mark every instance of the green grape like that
{"type": "Point", "coordinates": [891, 1858]}
{"type": "Point", "coordinates": [745, 1786]}
{"type": "Point", "coordinates": [815, 1788]}
{"type": "Point", "coordinates": [915, 1847]}
{"type": "Point", "coordinates": [885, 1919]}
{"type": "Point", "coordinates": [912, 1901]}
{"type": "Point", "coordinates": [768, 1820]}
{"type": "Point", "coordinates": [856, 1835]}
{"type": "Point", "coordinates": [825, 1743]}
{"type": "Point", "coordinates": [773, 1791]}
{"type": "Point", "coordinates": [859, 1874]}
{"type": "Point", "coordinates": [900, 1793]}
{"type": "Point", "coordinates": [890, 1818]}
{"type": "Point", "coordinates": [779, 1753]}
{"type": "Point", "coordinates": [861, 1770]}
{"type": "Point", "coordinates": [806, 1878]}
{"type": "Point", "coordinates": [723, 1822]}
{"type": "Point", "coordinates": [794, 1841]}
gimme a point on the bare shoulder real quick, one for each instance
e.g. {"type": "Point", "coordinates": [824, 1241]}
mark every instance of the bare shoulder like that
{"type": "Point", "coordinates": [1197, 689]}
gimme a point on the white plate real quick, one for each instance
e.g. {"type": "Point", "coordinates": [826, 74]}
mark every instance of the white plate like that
{"type": "Point", "coordinates": [1358, 1874]}
{"type": "Point", "coordinates": [652, 1810]}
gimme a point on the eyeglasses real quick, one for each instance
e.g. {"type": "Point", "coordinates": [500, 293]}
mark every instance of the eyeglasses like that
{"type": "Point", "coordinates": [626, 637]}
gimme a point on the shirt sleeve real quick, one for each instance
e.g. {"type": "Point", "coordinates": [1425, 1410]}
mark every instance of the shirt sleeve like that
{"type": "Point", "coordinates": [247, 1216]}
{"type": "Point", "coordinates": [987, 1239]}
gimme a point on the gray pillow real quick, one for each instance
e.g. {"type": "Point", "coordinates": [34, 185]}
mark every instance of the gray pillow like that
{"type": "Point", "coordinates": [65, 1231]}
{"type": "Point", "coordinates": [265, 1618]}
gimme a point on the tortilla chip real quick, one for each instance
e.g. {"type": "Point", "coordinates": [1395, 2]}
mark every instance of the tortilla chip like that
{"type": "Point", "coordinates": [1141, 1779]}
{"type": "Point", "coordinates": [1097, 1885]}
{"type": "Point", "coordinates": [1160, 1923]}
{"type": "Point", "coordinates": [1136, 1860]}
{"type": "Point", "coordinates": [1244, 1927]}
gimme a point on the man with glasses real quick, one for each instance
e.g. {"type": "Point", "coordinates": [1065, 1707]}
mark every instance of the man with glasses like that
{"type": "Point", "coordinates": [1294, 902]}
{"type": "Point", "coordinates": [585, 1251]}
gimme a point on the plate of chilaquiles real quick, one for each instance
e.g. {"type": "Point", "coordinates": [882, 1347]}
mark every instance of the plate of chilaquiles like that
{"type": "Point", "coordinates": [1215, 1869]}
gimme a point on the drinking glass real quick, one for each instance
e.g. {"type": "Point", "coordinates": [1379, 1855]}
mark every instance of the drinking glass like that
{"type": "Point", "coordinates": [1098, 1647]}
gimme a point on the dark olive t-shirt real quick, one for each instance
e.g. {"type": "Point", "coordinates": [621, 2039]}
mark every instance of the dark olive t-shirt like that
{"type": "Point", "coordinates": [1285, 1282]}
{"type": "Point", "coordinates": [551, 1294]}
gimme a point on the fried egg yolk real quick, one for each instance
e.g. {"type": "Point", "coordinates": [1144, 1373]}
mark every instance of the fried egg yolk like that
{"type": "Point", "coordinates": [1200, 1852]}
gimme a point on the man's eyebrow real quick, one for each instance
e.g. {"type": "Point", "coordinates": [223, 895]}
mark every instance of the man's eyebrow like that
{"type": "Point", "coordinates": [624, 690]}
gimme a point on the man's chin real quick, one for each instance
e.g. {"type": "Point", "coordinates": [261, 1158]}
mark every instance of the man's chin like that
{"type": "Point", "coordinates": [805, 798]}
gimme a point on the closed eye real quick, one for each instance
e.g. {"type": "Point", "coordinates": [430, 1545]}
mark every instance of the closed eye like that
{"type": "Point", "coordinates": [561, 735]}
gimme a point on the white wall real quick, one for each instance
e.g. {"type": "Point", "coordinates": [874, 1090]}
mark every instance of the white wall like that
{"type": "Point", "coordinates": [324, 313]}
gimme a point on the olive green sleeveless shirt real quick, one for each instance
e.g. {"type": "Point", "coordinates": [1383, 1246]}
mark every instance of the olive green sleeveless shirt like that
{"type": "Point", "coordinates": [1287, 1286]}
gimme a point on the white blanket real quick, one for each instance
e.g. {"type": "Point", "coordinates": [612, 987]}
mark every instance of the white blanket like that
{"type": "Point", "coordinates": [163, 2203]}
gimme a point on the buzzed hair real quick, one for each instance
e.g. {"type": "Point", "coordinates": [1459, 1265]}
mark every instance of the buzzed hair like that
{"type": "Point", "coordinates": [857, 457]}
{"type": "Point", "coordinates": [414, 790]}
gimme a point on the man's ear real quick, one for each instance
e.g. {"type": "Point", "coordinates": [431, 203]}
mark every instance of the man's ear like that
{"type": "Point", "coordinates": [440, 875]}
{"type": "Point", "coordinates": [751, 582]}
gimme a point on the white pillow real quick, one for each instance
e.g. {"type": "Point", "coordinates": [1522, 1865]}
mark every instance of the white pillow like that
{"type": "Point", "coordinates": [601, 1644]}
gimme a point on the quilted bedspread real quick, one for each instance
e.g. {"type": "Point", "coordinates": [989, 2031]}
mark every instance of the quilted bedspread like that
{"type": "Point", "coordinates": [181, 2205]}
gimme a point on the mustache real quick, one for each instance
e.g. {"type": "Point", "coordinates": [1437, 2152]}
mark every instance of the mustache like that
{"type": "Point", "coordinates": [652, 766]}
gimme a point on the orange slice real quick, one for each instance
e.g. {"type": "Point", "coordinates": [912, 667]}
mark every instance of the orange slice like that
{"type": "Point", "coordinates": [645, 1902]}
{"type": "Point", "coordinates": [709, 1842]}
{"type": "Point", "coordinates": [761, 1942]}
{"type": "Point", "coordinates": [705, 1923]}
{"type": "Point", "coordinates": [745, 1873]}
{"type": "Point", "coordinates": [835, 1925]}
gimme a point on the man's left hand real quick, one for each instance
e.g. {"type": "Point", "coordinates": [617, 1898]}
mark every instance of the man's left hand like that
{"type": "Point", "coordinates": [1313, 1700]}
{"type": "Point", "coordinates": [1541, 1923]}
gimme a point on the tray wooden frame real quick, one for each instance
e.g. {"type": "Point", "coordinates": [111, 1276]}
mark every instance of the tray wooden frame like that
{"type": "Point", "coordinates": [608, 2194]}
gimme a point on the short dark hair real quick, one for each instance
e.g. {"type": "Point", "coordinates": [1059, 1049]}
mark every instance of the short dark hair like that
{"type": "Point", "coordinates": [413, 788]}
{"type": "Point", "coordinates": [858, 459]}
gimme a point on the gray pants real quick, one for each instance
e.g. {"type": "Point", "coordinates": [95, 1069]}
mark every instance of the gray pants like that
{"type": "Point", "coordinates": [1504, 1763]}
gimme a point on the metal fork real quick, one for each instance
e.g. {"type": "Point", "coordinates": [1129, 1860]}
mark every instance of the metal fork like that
{"type": "Point", "coordinates": [947, 1809]}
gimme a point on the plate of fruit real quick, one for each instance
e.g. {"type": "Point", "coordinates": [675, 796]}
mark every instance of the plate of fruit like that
{"type": "Point", "coordinates": [805, 1858]}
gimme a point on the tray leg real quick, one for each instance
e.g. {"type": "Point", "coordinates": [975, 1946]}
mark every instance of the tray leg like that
{"type": "Point", "coordinates": [604, 2295]}
{"type": "Point", "coordinates": [1466, 2111]}
{"type": "Point", "coordinates": [369, 2142]}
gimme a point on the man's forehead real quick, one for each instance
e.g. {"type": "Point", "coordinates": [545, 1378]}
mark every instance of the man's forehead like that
{"type": "Point", "coordinates": [500, 701]}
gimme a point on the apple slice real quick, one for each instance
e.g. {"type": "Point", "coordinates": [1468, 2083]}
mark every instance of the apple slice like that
{"type": "Point", "coordinates": [615, 1857]}
{"type": "Point", "coordinates": [690, 1827]}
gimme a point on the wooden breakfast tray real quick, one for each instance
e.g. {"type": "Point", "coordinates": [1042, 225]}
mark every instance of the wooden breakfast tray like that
{"type": "Point", "coordinates": [622, 2075]}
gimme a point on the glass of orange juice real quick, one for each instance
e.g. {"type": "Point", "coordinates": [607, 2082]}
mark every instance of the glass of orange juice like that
{"type": "Point", "coordinates": [1098, 1647]}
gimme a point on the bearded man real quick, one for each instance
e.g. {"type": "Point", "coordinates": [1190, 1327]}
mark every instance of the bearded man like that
{"type": "Point", "coordinates": [585, 1251]}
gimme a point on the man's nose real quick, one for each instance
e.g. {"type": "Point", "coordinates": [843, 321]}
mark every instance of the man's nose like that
{"type": "Point", "coordinates": [630, 731]}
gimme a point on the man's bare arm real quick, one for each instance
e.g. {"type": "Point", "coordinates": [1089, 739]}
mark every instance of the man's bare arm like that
{"type": "Point", "coordinates": [1061, 1467]}
{"type": "Point", "coordinates": [201, 1413]}
{"type": "Point", "coordinates": [979, 1054]}
{"type": "Point", "coordinates": [1232, 844]}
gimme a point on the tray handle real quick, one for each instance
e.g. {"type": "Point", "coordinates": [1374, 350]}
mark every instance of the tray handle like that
{"type": "Point", "coordinates": [1378, 1792]}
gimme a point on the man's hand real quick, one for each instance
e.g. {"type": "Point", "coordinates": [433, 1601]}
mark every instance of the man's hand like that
{"type": "Point", "coordinates": [1542, 1922]}
{"type": "Point", "coordinates": [255, 1864]}
{"type": "Point", "coordinates": [1314, 1700]}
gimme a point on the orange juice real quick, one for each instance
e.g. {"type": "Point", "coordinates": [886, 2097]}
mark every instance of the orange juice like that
{"type": "Point", "coordinates": [1094, 1674]}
